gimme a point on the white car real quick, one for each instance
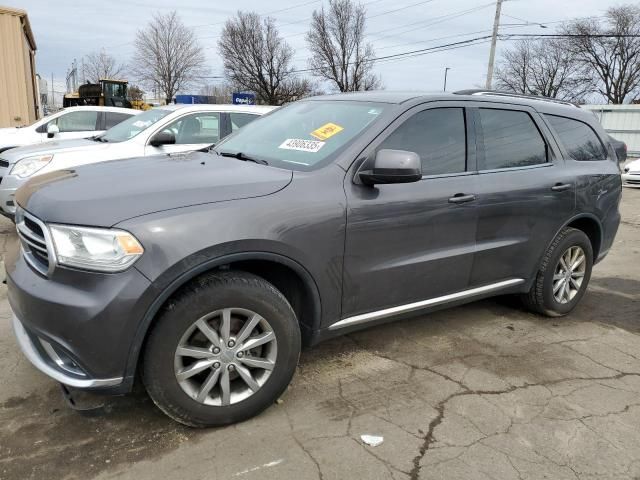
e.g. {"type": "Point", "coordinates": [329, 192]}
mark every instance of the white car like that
{"type": "Point", "coordinates": [74, 122]}
{"type": "Point", "coordinates": [162, 130]}
{"type": "Point", "coordinates": [631, 174]}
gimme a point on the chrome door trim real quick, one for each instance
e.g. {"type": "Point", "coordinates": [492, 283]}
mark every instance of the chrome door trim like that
{"type": "Point", "coordinates": [410, 307]}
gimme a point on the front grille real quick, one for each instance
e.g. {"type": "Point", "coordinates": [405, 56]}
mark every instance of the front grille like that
{"type": "Point", "coordinates": [34, 238]}
{"type": "Point", "coordinates": [3, 163]}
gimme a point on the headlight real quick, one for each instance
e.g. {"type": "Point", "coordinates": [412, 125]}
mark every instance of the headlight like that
{"type": "Point", "coordinates": [30, 165]}
{"type": "Point", "coordinates": [100, 249]}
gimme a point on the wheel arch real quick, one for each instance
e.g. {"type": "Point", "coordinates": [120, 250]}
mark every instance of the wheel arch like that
{"type": "Point", "coordinates": [591, 227]}
{"type": "Point", "coordinates": [282, 271]}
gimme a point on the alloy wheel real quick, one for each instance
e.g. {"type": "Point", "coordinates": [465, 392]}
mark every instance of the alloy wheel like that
{"type": "Point", "coordinates": [225, 356]}
{"type": "Point", "coordinates": [569, 274]}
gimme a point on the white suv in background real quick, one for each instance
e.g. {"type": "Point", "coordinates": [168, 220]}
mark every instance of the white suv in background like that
{"type": "Point", "coordinates": [162, 130]}
{"type": "Point", "coordinates": [74, 122]}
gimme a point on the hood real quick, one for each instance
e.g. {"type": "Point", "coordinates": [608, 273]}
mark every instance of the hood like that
{"type": "Point", "coordinates": [56, 146]}
{"type": "Point", "coordinates": [107, 193]}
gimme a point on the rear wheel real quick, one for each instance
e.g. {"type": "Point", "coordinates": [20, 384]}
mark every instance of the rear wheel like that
{"type": "Point", "coordinates": [563, 275]}
{"type": "Point", "coordinates": [222, 350]}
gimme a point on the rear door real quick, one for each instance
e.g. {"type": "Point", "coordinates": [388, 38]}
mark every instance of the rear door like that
{"type": "Point", "coordinates": [525, 192]}
{"type": "Point", "coordinates": [412, 242]}
{"type": "Point", "coordinates": [193, 131]}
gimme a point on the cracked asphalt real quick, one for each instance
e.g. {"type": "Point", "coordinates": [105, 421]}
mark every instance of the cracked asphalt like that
{"type": "Point", "coordinates": [483, 391]}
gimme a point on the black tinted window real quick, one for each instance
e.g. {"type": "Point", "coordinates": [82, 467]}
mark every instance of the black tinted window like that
{"type": "Point", "coordinates": [437, 135]}
{"type": "Point", "coordinates": [112, 119]}
{"type": "Point", "coordinates": [511, 139]}
{"type": "Point", "coordinates": [239, 120]}
{"type": "Point", "coordinates": [578, 138]}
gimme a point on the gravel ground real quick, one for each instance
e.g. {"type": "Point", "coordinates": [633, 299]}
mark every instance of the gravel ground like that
{"type": "Point", "coordinates": [483, 391]}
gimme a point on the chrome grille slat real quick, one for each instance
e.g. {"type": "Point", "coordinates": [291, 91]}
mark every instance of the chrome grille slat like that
{"type": "Point", "coordinates": [32, 244]}
{"type": "Point", "coordinates": [35, 241]}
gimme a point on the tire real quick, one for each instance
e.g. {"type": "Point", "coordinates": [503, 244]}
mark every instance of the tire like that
{"type": "Point", "coordinates": [200, 307]}
{"type": "Point", "coordinates": [541, 298]}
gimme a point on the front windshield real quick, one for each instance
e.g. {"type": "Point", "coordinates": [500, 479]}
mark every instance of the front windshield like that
{"type": "Point", "coordinates": [134, 125]}
{"type": "Point", "coordinates": [302, 135]}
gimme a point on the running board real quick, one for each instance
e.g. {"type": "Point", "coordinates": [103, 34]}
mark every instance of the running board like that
{"type": "Point", "coordinates": [432, 302]}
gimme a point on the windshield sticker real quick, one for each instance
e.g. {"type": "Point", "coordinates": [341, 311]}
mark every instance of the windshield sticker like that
{"type": "Point", "coordinates": [141, 124]}
{"type": "Point", "coordinates": [326, 131]}
{"type": "Point", "coordinates": [311, 146]}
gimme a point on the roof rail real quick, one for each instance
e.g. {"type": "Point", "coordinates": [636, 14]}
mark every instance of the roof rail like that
{"type": "Point", "coordinates": [498, 93]}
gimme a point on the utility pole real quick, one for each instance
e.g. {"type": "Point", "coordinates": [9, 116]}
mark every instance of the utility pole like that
{"type": "Point", "coordinates": [446, 69]}
{"type": "Point", "coordinates": [494, 39]}
{"type": "Point", "coordinates": [52, 102]}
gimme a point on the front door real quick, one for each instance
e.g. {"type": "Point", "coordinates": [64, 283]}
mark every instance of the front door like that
{"type": "Point", "coordinates": [193, 132]}
{"type": "Point", "coordinates": [412, 242]}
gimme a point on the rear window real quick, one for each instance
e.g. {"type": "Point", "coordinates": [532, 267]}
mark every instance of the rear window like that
{"type": "Point", "coordinates": [113, 118]}
{"type": "Point", "coordinates": [511, 139]}
{"type": "Point", "coordinates": [578, 138]}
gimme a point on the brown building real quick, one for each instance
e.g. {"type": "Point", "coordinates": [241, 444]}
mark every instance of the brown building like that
{"type": "Point", "coordinates": [19, 103]}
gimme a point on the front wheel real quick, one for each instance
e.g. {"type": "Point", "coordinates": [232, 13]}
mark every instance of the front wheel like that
{"type": "Point", "coordinates": [563, 274]}
{"type": "Point", "coordinates": [222, 350]}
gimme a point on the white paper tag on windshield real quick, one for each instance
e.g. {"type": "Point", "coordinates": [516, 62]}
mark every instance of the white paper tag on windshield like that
{"type": "Point", "coordinates": [311, 146]}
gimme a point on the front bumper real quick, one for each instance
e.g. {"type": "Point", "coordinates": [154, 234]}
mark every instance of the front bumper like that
{"type": "Point", "coordinates": [52, 364]}
{"type": "Point", "coordinates": [88, 320]}
{"type": "Point", "coordinates": [631, 179]}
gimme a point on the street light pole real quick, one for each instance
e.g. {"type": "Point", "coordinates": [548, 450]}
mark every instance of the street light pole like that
{"type": "Point", "coordinates": [494, 39]}
{"type": "Point", "coordinates": [446, 69]}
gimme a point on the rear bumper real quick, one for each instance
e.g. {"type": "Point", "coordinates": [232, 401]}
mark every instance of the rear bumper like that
{"type": "Point", "coordinates": [52, 365]}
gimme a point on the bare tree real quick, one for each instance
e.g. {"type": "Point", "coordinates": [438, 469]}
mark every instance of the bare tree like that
{"type": "Point", "coordinates": [543, 67]}
{"type": "Point", "coordinates": [611, 50]}
{"type": "Point", "coordinates": [98, 65]}
{"type": "Point", "coordinates": [136, 93]}
{"type": "Point", "coordinates": [256, 58]}
{"type": "Point", "coordinates": [338, 49]}
{"type": "Point", "coordinates": [168, 56]}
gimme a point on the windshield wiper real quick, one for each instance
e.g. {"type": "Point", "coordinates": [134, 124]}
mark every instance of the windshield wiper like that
{"type": "Point", "coordinates": [97, 138]}
{"type": "Point", "coordinates": [243, 157]}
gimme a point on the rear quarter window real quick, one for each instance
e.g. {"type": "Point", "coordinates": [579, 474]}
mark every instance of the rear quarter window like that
{"type": "Point", "coordinates": [578, 138]}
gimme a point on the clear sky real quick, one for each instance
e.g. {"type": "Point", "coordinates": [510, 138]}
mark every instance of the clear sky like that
{"type": "Point", "coordinates": [68, 29]}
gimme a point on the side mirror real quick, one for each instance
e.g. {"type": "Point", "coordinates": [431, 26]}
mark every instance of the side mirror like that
{"type": "Point", "coordinates": [52, 130]}
{"type": "Point", "coordinates": [166, 137]}
{"type": "Point", "coordinates": [393, 166]}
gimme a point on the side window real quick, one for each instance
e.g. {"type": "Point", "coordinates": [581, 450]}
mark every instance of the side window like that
{"type": "Point", "coordinates": [239, 120]}
{"type": "Point", "coordinates": [578, 138]}
{"type": "Point", "coordinates": [77, 121]}
{"type": "Point", "coordinates": [112, 119]}
{"type": "Point", "coordinates": [196, 128]}
{"type": "Point", "coordinates": [437, 135]}
{"type": "Point", "coordinates": [511, 139]}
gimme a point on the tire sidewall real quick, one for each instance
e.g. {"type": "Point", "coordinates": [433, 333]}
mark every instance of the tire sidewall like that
{"type": "Point", "coordinates": [158, 367]}
{"type": "Point", "coordinates": [574, 238]}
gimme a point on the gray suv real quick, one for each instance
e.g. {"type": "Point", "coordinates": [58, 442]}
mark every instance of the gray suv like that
{"type": "Point", "coordinates": [203, 275]}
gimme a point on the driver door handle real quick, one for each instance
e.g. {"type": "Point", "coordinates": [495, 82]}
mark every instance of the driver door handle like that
{"type": "Point", "coordinates": [462, 198]}
{"type": "Point", "coordinates": [561, 187]}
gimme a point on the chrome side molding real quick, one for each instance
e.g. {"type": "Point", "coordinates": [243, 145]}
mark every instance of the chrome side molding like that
{"type": "Point", "coordinates": [410, 307]}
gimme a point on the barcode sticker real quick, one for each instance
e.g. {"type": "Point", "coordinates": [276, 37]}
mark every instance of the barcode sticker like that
{"type": "Point", "coordinates": [311, 146]}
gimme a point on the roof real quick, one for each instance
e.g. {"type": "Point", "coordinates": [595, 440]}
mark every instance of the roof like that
{"type": "Point", "coordinates": [541, 104]}
{"type": "Point", "coordinates": [220, 107]}
{"type": "Point", "coordinates": [25, 22]}
{"type": "Point", "coordinates": [103, 109]}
